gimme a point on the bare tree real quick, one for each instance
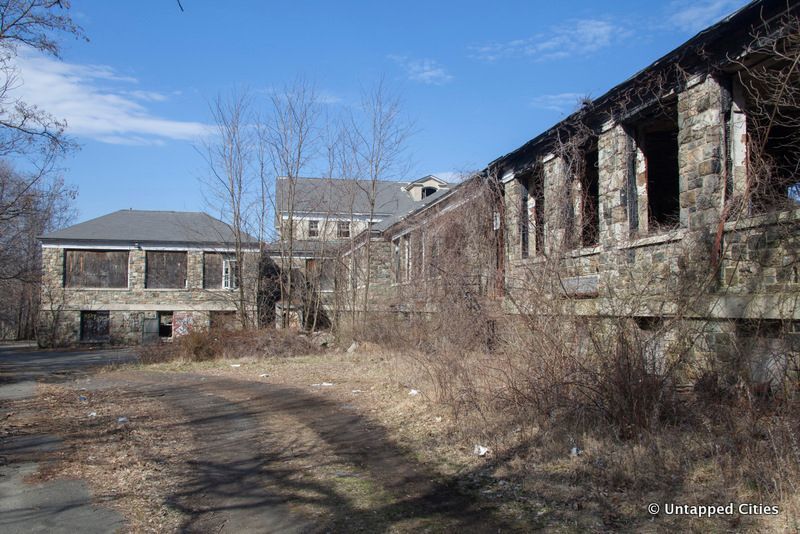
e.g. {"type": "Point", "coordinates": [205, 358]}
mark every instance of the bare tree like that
{"type": "Point", "coordinates": [378, 139]}
{"type": "Point", "coordinates": [290, 135]}
{"type": "Point", "coordinates": [229, 155]}
{"type": "Point", "coordinates": [33, 199]}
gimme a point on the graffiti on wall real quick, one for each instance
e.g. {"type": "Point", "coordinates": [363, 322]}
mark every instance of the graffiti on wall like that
{"type": "Point", "coordinates": [182, 323]}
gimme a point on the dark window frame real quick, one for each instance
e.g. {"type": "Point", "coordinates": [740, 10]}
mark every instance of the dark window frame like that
{"type": "Point", "coordinates": [343, 229]}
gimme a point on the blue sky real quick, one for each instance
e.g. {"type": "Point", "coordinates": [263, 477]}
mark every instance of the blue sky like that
{"type": "Point", "coordinates": [478, 79]}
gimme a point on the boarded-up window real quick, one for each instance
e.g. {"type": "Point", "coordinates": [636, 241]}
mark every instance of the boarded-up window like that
{"type": "Point", "coordinates": [166, 270]}
{"type": "Point", "coordinates": [96, 268]}
{"type": "Point", "coordinates": [95, 326]}
{"type": "Point", "coordinates": [212, 270]}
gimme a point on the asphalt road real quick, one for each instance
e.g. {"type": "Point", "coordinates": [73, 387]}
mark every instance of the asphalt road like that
{"type": "Point", "coordinates": [62, 506]}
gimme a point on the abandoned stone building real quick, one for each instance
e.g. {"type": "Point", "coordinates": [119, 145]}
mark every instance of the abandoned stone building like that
{"type": "Point", "coordinates": [133, 276]}
{"type": "Point", "coordinates": [325, 216]}
{"type": "Point", "coordinates": [672, 197]}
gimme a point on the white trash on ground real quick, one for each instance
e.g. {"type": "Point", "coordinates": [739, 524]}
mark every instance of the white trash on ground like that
{"type": "Point", "coordinates": [480, 450]}
{"type": "Point", "coordinates": [122, 420]}
{"type": "Point", "coordinates": [353, 347]}
{"type": "Point", "coordinates": [236, 365]}
{"type": "Point", "coordinates": [92, 414]}
{"type": "Point", "coordinates": [323, 384]}
{"type": "Point", "coordinates": [413, 392]}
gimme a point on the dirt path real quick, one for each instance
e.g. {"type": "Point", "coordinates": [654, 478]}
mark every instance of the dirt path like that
{"type": "Point", "coordinates": [270, 458]}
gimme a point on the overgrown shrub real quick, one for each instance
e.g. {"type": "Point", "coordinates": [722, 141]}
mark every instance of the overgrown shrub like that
{"type": "Point", "coordinates": [207, 345]}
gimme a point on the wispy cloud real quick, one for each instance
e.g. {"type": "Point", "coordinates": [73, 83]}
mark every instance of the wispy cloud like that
{"type": "Point", "coordinates": [694, 15]}
{"type": "Point", "coordinates": [328, 98]}
{"type": "Point", "coordinates": [98, 103]}
{"type": "Point", "coordinates": [427, 71]}
{"type": "Point", "coordinates": [582, 37]}
{"type": "Point", "coordinates": [560, 102]}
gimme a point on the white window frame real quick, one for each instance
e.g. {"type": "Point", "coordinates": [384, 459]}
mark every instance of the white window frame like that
{"type": "Point", "coordinates": [229, 274]}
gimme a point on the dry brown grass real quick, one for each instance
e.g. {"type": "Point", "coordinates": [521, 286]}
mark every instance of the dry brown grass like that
{"type": "Point", "coordinates": [530, 470]}
{"type": "Point", "coordinates": [199, 346]}
{"type": "Point", "coordinates": [128, 466]}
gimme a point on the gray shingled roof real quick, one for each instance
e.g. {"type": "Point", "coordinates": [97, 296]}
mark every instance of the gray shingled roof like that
{"type": "Point", "coordinates": [130, 226]}
{"type": "Point", "coordinates": [416, 206]}
{"type": "Point", "coordinates": [329, 195]}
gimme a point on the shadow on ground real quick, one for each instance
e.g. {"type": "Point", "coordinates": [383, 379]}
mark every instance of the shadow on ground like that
{"type": "Point", "coordinates": [250, 470]}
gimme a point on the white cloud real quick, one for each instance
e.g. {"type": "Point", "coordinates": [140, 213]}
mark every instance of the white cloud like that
{"type": "Point", "coordinates": [581, 37]}
{"type": "Point", "coordinates": [427, 71]}
{"type": "Point", "coordinates": [97, 103]}
{"type": "Point", "coordinates": [692, 16]}
{"type": "Point", "coordinates": [561, 102]}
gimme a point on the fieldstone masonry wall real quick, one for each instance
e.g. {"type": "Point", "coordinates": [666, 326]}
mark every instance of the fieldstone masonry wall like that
{"type": "Point", "coordinates": [60, 318]}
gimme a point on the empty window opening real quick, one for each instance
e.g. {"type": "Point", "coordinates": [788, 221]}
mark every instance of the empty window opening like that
{"type": "Point", "coordinates": [95, 326]}
{"type": "Point", "coordinates": [313, 229]}
{"type": "Point", "coordinates": [524, 216]}
{"type": "Point", "coordinates": [433, 257]}
{"type": "Point", "coordinates": [590, 197]}
{"type": "Point", "coordinates": [165, 324]}
{"type": "Point", "coordinates": [165, 270]}
{"type": "Point", "coordinates": [96, 269]}
{"type": "Point", "coordinates": [343, 229]}
{"type": "Point", "coordinates": [407, 254]}
{"type": "Point", "coordinates": [222, 320]}
{"type": "Point", "coordinates": [396, 260]}
{"type": "Point", "coordinates": [428, 191]}
{"type": "Point", "coordinates": [657, 139]}
{"type": "Point", "coordinates": [538, 212]}
{"type": "Point", "coordinates": [773, 144]}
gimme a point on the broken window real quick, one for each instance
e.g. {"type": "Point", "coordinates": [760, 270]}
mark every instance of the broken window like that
{"type": "Point", "coordinates": [524, 216]}
{"type": "Point", "coordinates": [313, 229]}
{"type": "Point", "coordinates": [590, 196]}
{"type": "Point", "coordinates": [396, 260]}
{"type": "Point", "coordinates": [165, 270]}
{"type": "Point", "coordinates": [96, 268]}
{"type": "Point", "coordinates": [95, 326]}
{"type": "Point", "coordinates": [343, 229]}
{"type": "Point", "coordinates": [656, 136]}
{"type": "Point", "coordinates": [165, 324]}
{"type": "Point", "coordinates": [230, 273]}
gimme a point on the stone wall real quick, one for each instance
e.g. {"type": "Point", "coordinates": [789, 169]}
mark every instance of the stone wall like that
{"type": "Point", "coordinates": [60, 317]}
{"type": "Point", "coordinates": [701, 267]}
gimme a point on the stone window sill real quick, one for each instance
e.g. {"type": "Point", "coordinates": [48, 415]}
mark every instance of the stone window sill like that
{"type": "Point", "coordinates": [764, 219]}
{"type": "Point", "coordinates": [585, 251]}
{"type": "Point", "coordinates": [73, 288]}
{"type": "Point", "coordinates": [166, 289]}
{"type": "Point", "coordinates": [669, 237]}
